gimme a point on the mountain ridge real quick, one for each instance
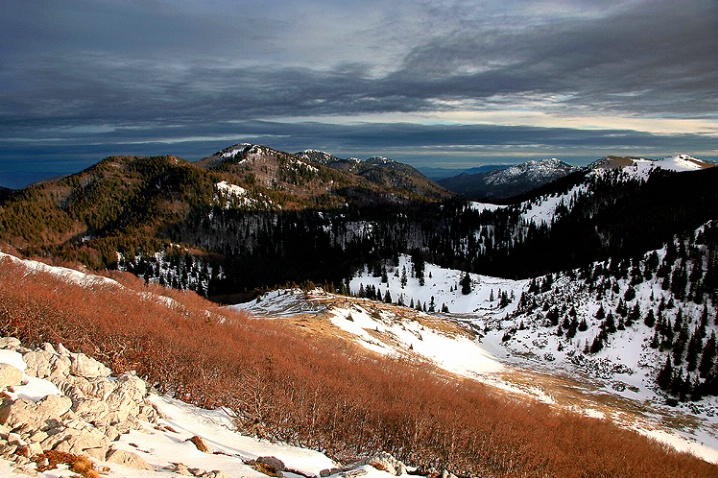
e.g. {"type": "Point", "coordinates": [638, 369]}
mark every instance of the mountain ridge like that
{"type": "Point", "coordinates": [502, 184]}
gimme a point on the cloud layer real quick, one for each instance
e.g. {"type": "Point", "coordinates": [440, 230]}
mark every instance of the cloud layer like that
{"type": "Point", "coordinates": [428, 82]}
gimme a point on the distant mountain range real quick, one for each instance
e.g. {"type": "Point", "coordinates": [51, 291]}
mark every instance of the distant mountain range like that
{"type": "Point", "coordinates": [501, 184]}
{"type": "Point", "coordinates": [436, 174]}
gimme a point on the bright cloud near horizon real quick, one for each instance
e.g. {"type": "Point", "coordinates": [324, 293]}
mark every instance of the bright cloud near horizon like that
{"type": "Point", "coordinates": [451, 83]}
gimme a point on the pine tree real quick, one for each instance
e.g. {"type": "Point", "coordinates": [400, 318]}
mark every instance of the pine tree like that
{"type": "Point", "coordinates": [649, 319]}
{"type": "Point", "coordinates": [679, 345]}
{"type": "Point", "coordinates": [600, 313]}
{"type": "Point", "coordinates": [708, 356]}
{"type": "Point", "coordinates": [621, 308]}
{"type": "Point", "coordinates": [665, 376]}
{"type": "Point", "coordinates": [466, 284]}
{"type": "Point", "coordinates": [610, 324]}
{"type": "Point", "coordinates": [695, 344]}
{"type": "Point", "coordinates": [630, 294]}
{"type": "Point", "coordinates": [679, 321]}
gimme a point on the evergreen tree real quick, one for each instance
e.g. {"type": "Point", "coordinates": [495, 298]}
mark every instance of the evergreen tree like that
{"type": "Point", "coordinates": [679, 345]}
{"type": "Point", "coordinates": [708, 356]}
{"type": "Point", "coordinates": [649, 319]}
{"type": "Point", "coordinates": [621, 308]}
{"type": "Point", "coordinates": [679, 321]}
{"type": "Point", "coordinates": [665, 376]}
{"type": "Point", "coordinates": [598, 342]}
{"type": "Point", "coordinates": [695, 344]}
{"type": "Point", "coordinates": [466, 284]}
{"type": "Point", "coordinates": [600, 313]}
{"type": "Point", "coordinates": [610, 324]}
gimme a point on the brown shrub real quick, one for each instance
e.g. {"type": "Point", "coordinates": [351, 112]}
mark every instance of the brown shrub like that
{"type": "Point", "coordinates": [199, 443]}
{"type": "Point", "coordinates": [321, 392]}
{"type": "Point", "coordinates": [81, 464]}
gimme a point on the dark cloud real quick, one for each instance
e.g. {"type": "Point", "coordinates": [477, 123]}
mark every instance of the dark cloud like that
{"type": "Point", "coordinates": [81, 79]}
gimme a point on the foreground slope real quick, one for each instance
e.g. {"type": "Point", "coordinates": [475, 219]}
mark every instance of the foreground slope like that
{"type": "Point", "coordinates": [339, 399]}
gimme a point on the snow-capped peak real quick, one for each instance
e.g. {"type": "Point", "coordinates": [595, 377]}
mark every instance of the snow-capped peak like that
{"type": "Point", "coordinates": [236, 149]}
{"type": "Point", "coordinates": [379, 160]}
{"type": "Point", "coordinates": [682, 162]}
{"type": "Point", "coordinates": [533, 169]}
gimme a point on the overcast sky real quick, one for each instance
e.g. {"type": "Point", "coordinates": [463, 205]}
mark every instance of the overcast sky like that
{"type": "Point", "coordinates": [452, 83]}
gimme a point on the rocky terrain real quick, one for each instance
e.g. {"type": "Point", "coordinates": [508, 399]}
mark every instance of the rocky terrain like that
{"type": "Point", "coordinates": [64, 412]}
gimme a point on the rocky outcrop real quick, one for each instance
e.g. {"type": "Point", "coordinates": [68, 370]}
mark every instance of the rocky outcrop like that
{"type": "Point", "coordinates": [89, 413]}
{"type": "Point", "coordinates": [385, 462]}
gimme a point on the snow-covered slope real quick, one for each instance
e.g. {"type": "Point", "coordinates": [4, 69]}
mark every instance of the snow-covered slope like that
{"type": "Point", "coordinates": [641, 168]}
{"type": "Point", "coordinates": [440, 288]}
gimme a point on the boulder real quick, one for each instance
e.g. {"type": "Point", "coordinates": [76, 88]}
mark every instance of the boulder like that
{"type": "Point", "coordinates": [36, 415]}
{"type": "Point", "coordinates": [9, 376]}
{"type": "Point", "coordinates": [84, 366]}
{"type": "Point", "coordinates": [38, 363]}
{"type": "Point", "coordinates": [10, 343]}
{"type": "Point", "coordinates": [273, 463]}
{"type": "Point", "coordinates": [127, 458]}
{"type": "Point", "coordinates": [386, 462]}
{"type": "Point", "coordinates": [124, 401]}
{"type": "Point", "coordinates": [89, 441]}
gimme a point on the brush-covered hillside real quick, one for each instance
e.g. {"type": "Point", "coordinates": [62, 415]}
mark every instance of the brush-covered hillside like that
{"type": "Point", "coordinates": [348, 403]}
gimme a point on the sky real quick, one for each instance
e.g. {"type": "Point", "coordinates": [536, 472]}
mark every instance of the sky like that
{"type": "Point", "coordinates": [435, 83]}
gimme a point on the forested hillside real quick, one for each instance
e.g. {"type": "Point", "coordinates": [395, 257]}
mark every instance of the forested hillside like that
{"type": "Point", "coordinates": [251, 217]}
